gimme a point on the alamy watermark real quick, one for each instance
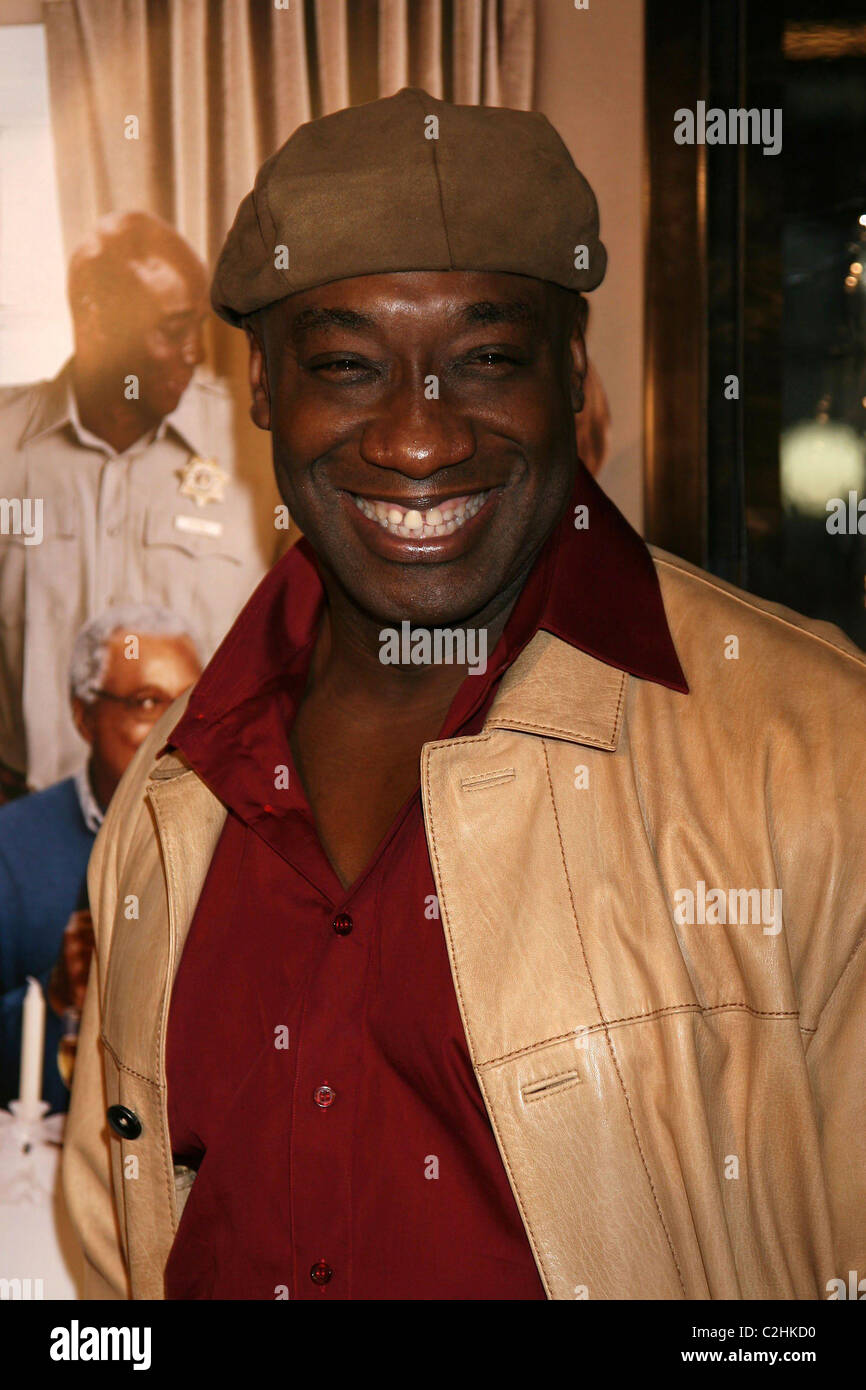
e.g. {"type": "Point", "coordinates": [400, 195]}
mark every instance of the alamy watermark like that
{"type": "Point", "coordinates": [437, 646]}
{"type": "Point", "coordinates": [736, 907]}
{"type": "Point", "coordinates": [77, 1343]}
{"type": "Point", "coordinates": [855, 1288]}
{"type": "Point", "coordinates": [846, 518]}
{"type": "Point", "coordinates": [22, 516]}
{"type": "Point", "coordinates": [21, 1289]}
{"type": "Point", "coordinates": [736, 126]}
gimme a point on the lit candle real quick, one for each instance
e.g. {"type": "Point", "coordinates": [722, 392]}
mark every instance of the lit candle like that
{"type": "Point", "coordinates": [32, 1047]}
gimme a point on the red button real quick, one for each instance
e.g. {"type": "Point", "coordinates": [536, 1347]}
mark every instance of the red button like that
{"type": "Point", "coordinates": [342, 924]}
{"type": "Point", "coordinates": [321, 1272]}
{"type": "Point", "coordinates": [324, 1096]}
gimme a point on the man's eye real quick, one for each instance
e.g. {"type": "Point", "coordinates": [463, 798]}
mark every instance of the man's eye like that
{"type": "Point", "coordinates": [145, 702]}
{"type": "Point", "coordinates": [493, 358]}
{"type": "Point", "coordinates": [340, 366]}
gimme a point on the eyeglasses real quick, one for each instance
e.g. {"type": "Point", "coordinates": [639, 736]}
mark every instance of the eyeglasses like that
{"type": "Point", "coordinates": [141, 705]}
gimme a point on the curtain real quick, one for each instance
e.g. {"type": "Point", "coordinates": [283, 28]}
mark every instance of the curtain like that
{"type": "Point", "coordinates": [171, 105]}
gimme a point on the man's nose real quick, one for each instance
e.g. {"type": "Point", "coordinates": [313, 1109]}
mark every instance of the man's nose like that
{"type": "Point", "coordinates": [416, 435]}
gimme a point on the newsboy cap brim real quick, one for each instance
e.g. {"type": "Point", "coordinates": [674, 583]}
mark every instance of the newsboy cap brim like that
{"type": "Point", "coordinates": [410, 183]}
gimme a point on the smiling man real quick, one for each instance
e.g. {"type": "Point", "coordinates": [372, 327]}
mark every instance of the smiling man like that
{"type": "Point", "coordinates": [408, 1007]}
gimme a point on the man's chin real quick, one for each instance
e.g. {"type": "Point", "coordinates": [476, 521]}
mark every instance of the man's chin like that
{"type": "Point", "coordinates": [392, 586]}
{"type": "Point", "coordinates": [422, 601]}
{"type": "Point", "coordinates": [165, 402]}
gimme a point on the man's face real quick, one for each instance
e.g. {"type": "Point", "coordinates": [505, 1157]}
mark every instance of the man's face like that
{"type": "Point", "coordinates": [418, 394]}
{"type": "Point", "coordinates": [157, 335]}
{"type": "Point", "coordinates": [134, 693]}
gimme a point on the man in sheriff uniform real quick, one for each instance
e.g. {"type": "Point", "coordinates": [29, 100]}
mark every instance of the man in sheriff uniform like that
{"type": "Point", "coordinates": [129, 454]}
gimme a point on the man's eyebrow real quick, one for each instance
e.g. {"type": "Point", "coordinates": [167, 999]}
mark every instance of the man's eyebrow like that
{"type": "Point", "coordinates": [309, 319]}
{"type": "Point", "coordinates": [490, 311]}
{"type": "Point", "coordinates": [484, 311]}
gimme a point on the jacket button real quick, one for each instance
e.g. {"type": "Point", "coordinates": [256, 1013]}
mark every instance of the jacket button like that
{"type": "Point", "coordinates": [124, 1122]}
{"type": "Point", "coordinates": [342, 924]}
{"type": "Point", "coordinates": [321, 1272]}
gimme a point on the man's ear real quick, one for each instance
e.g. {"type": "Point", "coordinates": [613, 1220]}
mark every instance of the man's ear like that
{"type": "Point", "coordinates": [260, 409]}
{"type": "Point", "coordinates": [82, 719]}
{"type": "Point", "coordinates": [577, 354]}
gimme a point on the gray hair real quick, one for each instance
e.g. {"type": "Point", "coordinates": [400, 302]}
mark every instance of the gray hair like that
{"type": "Point", "coordinates": [90, 650]}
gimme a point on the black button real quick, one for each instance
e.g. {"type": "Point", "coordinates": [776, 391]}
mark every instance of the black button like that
{"type": "Point", "coordinates": [124, 1122]}
{"type": "Point", "coordinates": [321, 1272]}
{"type": "Point", "coordinates": [342, 924]}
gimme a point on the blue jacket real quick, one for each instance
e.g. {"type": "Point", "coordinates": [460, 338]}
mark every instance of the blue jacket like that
{"type": "Point", "coordinates": [44, 848]}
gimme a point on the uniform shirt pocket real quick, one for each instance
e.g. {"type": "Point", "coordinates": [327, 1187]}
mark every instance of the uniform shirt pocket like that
{"type": "Point", "coordinates": [198, 536]}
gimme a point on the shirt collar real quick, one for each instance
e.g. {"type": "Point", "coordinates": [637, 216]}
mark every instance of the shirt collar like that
{"type": "Point", "coordinates": [90, 808]}
{"type": "Point", "coordinates": [604, 596]}
{"type": "Point", "coordinates": [594, 587]}
{"type": "Point", "coordinates": [57, 407]}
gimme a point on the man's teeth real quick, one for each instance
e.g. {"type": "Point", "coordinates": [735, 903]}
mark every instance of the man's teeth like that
{"type": "Point", "coordinates": [437, 521]}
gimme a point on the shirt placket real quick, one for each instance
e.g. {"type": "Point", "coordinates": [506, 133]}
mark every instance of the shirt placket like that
{"type": "Point", "coordinates": [111, 536]}
{"type": "Point", "coordinates": [327, 1088]}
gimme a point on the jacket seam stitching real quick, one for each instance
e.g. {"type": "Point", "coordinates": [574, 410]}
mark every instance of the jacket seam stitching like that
{"type": "Point", "coordinates": [536, 1248]}
{"type": "Point", "coordinates": [733, 1006]}
{"type": "Point", "coordinates": [504, 722]}
{"type": "Point", "coordinates": [550, 1085]}
{"type": "Point", "coordinates": [620, 706]}
{"type": "Point", "coordinates": [165, 1136]}
{"type": "Point", "coordinates": [571, 1075]}
{"type": "Point", "coordinates": [776, 617]}
{"type": "Point", "coordinates": [439, 196]}
{"type": "Point", "coordinates": [608, 1038]}
{"type": "Point", "coordinates": [480, 779]}
{"type": "Point", "coordinates": [460, 740]}
{"type": "Point", "coordinates": [534, 1097]}
{"type": "Point", "coordinates": [121, 1066]}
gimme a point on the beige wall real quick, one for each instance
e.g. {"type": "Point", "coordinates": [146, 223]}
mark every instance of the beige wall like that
{"type": "Point", "coordinates": [590, 85]}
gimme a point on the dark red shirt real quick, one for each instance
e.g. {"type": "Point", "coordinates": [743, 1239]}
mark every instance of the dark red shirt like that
{"type": "Point", "coordinates": [318, 1074]}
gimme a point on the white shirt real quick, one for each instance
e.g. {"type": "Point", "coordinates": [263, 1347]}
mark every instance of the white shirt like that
{"type": "Point", "coordinates": [117, 529]}
{"type": "Point", "coordinates": [90, 808]}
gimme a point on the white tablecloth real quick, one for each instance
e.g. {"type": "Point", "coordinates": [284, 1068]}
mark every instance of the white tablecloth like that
{"type": "Point", "coordinates": [37, 1246]}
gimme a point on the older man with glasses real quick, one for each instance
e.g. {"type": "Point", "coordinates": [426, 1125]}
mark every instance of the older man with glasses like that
{"type": "Point", "coordinates": [127, 666]}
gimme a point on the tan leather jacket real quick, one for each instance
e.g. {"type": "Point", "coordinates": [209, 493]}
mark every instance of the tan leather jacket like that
{"type": "Point", "coordinates": [679, 1105]}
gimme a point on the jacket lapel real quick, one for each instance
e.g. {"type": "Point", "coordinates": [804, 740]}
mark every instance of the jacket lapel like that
{"type": "Point", "coordinates": [147, 942]}
{"type": "Point", "coordinates": [495, 850]}
{"type": "Point", "coordinates": [189, 821]}
{"type": "Point", "coordinates": [530, 1007]}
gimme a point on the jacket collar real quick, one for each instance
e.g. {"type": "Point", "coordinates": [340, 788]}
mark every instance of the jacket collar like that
{"type": "Point", "coordinates": [552, 690]}
{"type": "Point", "coordinates": [556, 690]}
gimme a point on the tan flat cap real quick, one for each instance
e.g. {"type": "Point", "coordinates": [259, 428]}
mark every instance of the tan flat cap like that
{"type": "Point", "coordinates": [410, 183]}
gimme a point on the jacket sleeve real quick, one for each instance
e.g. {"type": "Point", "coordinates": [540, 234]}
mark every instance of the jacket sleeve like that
{"type": "Point", "coordinates": [86, 1168]}
{"type": "Point", "coordinates": [835, 1059]}
{"type": "Point", "coordinates": [90, 1181]}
